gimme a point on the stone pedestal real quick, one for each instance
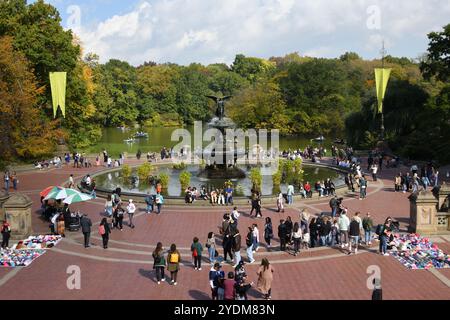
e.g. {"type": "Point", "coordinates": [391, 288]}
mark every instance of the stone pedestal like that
{"type": "Point", "coordinates": [18, 213]}
{"type": "Point", "coordinates": [423, 213]}
{"type": "Point", "coordinates": [3, 197]}
{"type": "Point", "coordinates": [444, 194]}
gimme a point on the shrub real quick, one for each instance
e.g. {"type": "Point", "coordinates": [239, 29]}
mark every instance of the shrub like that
{"type": "Point", "coordinates": [126, 171]}
{"type": "Point", "coordinates": [144, 171]}
{"type": "Point", "coordinates": [185, 179]}
{"type": "Point", "coordinates": [180, 166]}
{"type": "Point", "coordinates": [256, 178]}
{"type": "Point", "coordinates": [164, 179]}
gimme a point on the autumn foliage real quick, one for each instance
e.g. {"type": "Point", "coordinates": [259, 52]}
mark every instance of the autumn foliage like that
{"type": "Point", "coordinates": [24, 132]}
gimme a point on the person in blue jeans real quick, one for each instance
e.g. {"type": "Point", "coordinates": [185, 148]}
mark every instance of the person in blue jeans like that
{"type": "Point", "coordinates": [159, 200]}
{"type": "Point", "coordinates": [149, 200]}
{"type": "Point", "coordinates": [249, 243]}
{"type": "Point", "coordinates": [367, 226]}
{"type": "Point", "coordinates": [211, 246]}
{"type": "Point", "coordinates": [6, 178]}
{"type": "Point", "coordinates": [384, 236]}
{"type": "Point", "coordinates": [290, 194]}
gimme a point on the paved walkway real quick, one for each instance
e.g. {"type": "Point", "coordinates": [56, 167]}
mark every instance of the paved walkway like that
{"type": "Point", "coordinates": [124, 271]}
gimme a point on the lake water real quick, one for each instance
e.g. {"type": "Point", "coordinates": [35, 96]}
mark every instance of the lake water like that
{"type": "Point", "coordinates": [113, 141]}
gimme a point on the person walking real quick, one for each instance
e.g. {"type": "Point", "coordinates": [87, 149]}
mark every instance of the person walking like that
{"type": "Point", "coordinates": [159, 200]}
{"type": "Point", "coordinates": [71, 182]}
{"type": "Point", "coordinates": [344, 223]}
{"type": "Point", "coordinates": [86, 225]}
{"type": "Point", "coordinates": [150, 201]}
{"type": "Point", "coordinates": [384, 236]}
{"type": "Point", "coordinates": [374, 170]}
{"type": "Point", "coordinates": [197, 251]}
{"type": "Point", "coordinates": [6, 234]}
{"type": "Point", "coordinates": [265, 278]}
{"type": "Point", "coordinates": [211, 246]}
{"type": "Point", "coordinates": [297, 238]}
{"type": "Point", "coordinates": [280, 201]}
{"type": "Point", "coordinates": [119, 213]}
{"type": "Point", "coordinates": [15, 180]}
{"type": "Point", "coordinates": [237, 241]}
{"type": "Point", "coordinates": [104, 230]}
{"type": "Point", "coordinates": [249, 243]}
{"type": "Point", "coordinates": [268, 231]}
{"type": "Point", "coordinates": [109, 206]}
{"type": "Point", "coordinates": [173, 263]}
{"type": "Point", "coordinates": [362, 187]}
{"type": "Point", "coordinates": [334, 205]}
{"type": "Point", "coordinates": [215, 275]}
{"type": "Point", "coordinates": [6, 179]}
{"type": "Point", "coordinates": [290, 194]}
{"type": "Point", "coordinates": [255, 237]}
{"type": "Point", "coordinates": [159, 263]}
{"type": "Point", "coordinates": [282, 232]}
{"type": "Point", "coordinates": [367, 226]}
{"type": "Point", "coordinates": [354, 233]}
{"type": "Point", "coordinates": [131, 209]}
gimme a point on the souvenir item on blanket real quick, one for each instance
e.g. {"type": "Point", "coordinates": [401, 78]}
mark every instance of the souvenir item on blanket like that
{"type": "Point", "coordinates": [419, 253]}
{"type": "Point", "coordinates": [18, 258]}
{"type": "Point", "coordinates": [39, 242]}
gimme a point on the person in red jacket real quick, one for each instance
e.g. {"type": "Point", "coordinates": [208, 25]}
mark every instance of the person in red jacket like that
{"type": "Point", "coordinates": [307, 188]}
{"type": "Point", "coordinates": [229, 287]}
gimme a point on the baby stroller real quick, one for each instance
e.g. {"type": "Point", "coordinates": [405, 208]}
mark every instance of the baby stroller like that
{"type": "Point", "coordinates": [74, 224]}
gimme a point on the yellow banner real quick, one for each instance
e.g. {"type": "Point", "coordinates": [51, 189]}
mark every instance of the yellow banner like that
{"type": "Point", "coordinates": [381, 79]}
{"type": "Point", "coordinates": [58, 86]}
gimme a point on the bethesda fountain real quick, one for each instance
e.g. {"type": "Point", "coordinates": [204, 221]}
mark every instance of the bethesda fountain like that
{"type": "Point", "coordinates": [221, 159]}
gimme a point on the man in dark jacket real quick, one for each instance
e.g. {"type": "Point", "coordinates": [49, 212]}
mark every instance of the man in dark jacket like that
{"type": "Point", "coordinates": [282, 232]}
{"type": "Point", "coordinates": [86, 225]}
{"type": "Point", "coordinates": [334, 205]}
{"type": "Point", "coordinates": [354, 234]}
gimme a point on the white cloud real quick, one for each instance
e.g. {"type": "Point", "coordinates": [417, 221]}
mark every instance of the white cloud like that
{"type": "Point", "coordinates": [208, 31]}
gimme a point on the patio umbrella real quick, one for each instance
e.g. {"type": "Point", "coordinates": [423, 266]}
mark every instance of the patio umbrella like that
{"type": "Point", "coordinates": [46, 191]}
{"type": "Point", "coordinates": [75, 198]}
{"type": "Point", "coordinates": [61, 194]}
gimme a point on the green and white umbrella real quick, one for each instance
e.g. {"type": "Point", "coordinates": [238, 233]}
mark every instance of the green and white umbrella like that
{"type": "Point", "coordinates": [61, 194]}
{"type": "Point", "coordinates": [79, 197]}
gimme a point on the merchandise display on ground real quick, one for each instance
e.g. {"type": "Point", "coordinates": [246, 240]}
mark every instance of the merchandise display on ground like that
{"type": "Point", "coordinates": [416, 252]}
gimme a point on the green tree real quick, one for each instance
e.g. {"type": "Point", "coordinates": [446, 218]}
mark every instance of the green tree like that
{"type": "Point", "coordinates": [437, 61]}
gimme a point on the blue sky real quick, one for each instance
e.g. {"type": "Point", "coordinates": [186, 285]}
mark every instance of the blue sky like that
{"type": "Point", "coordinates": [208, 31]}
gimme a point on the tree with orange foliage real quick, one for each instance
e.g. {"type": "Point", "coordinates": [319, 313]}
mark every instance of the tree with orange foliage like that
{"type": "Point", "coordinates": [24, 131]}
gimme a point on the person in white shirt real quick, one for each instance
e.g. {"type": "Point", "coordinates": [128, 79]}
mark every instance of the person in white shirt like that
{"type": "Point", "coordinates": [255, 238]}
{"type": "Point", "coordinates": [235, 214]}
{"type": "Point", "coordinates": [131, 209]}
{"type": "Point", "coordinates": [88, 180]}
{"type": "Point", "coordinates": [71, 182]}
{"type": "Point", "coordinates": [280, 201]}
{"type": "Point", "coordinates": [374, 169]}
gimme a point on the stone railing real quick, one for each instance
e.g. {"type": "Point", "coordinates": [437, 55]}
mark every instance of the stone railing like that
{"type": "Point", "coordinates": [429, 211]}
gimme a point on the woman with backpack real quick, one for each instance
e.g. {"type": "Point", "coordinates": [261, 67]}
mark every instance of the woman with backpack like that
{"type": "Point", "coordinates": [173, 263]}
{"type": "Point", "coordinates": [159, 262]}
{"type": "Point", "coordinates": [197, 250]}
{"type": "Point", "coordinates": [104, 230]}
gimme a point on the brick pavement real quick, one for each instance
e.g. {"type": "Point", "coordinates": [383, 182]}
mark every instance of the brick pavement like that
{"type": "Point", "coordinates": [125, 271]}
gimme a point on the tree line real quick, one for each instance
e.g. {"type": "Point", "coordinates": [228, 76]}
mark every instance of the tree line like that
{"type": "Point", "coordinates": [295, 94]}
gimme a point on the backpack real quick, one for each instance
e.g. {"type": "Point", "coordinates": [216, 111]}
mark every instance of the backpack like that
{"type": "Point", "coordinates": [379, 230]}
{"type": "Point", "coordinates": [174, 257]}
{"type": "Point", "coordinates": [101, 230]}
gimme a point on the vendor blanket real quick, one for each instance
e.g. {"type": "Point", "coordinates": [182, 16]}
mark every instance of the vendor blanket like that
{"type": "Point", "coordinates": [38, 242]}
{"type": "Point", "coordinates": [10, 258]}
{"type": "Point", "coordinates": [416, 252]}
